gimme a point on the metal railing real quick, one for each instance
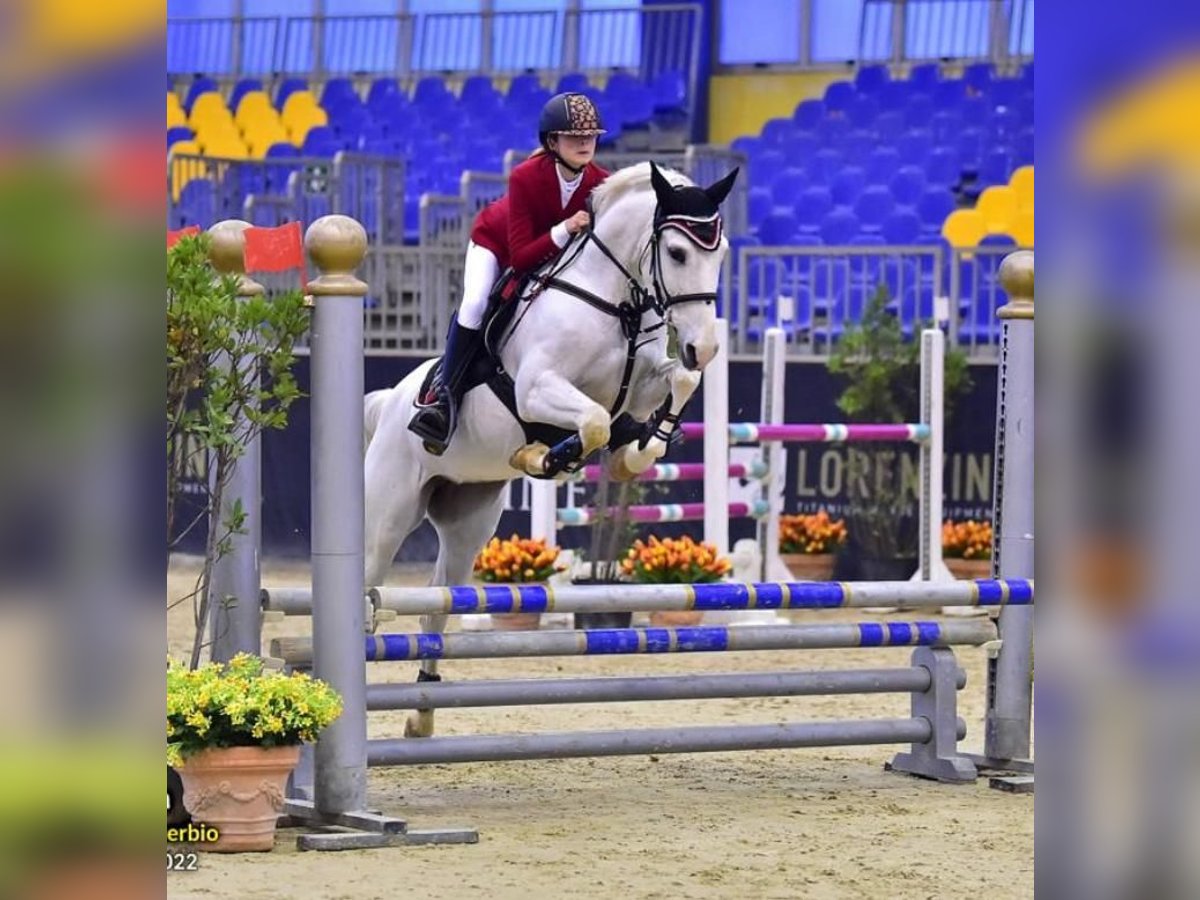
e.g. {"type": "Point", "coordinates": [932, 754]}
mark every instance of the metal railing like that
{"type": "Point", "coordinates": [918, 30]}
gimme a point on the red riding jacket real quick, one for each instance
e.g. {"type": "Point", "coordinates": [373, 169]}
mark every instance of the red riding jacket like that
{"type": "Point", "coordinates": [516, 228]}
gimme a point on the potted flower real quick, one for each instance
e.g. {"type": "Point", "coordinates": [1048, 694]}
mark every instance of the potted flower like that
{"type": "Point", "coordinates": [674, 561]}
{"type": "Point", "coordinates": [233, 734]}
{"type": "Point", "coordinates": [516, 561]}
{"type": "Point", "coordinates": [967, 548]}
{"type": "Point", "coordinates": [808, 544]}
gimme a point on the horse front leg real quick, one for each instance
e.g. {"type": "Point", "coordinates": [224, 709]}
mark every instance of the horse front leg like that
{"type": "Point", "coordinates": [548, 397]}
{"type": "Point", "coordinates": [630, 461]}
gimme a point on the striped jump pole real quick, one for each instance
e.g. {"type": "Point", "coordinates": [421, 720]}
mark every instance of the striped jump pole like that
{"type": "Point", "coordinates": [754, 470]}
{"type": "Point", "coordinates": [665, 512]}
{"type": "Point", "coordinates": [596, 598]}
{"type": "Point", "coordinates": [640, 641]}
{"type": "Point", "coordinates": [832, 433]}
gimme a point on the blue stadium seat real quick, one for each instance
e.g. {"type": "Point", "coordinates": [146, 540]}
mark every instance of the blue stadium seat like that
{"type": "Point", "coordinates": [945, 124]}
{"type": "Point", "coordinates": [241, 89]}
{"type": "Point", "coordinates": [874, 205]}
{"type": "Point", "coordinates": [178, 133]}
{"type": "Point", "coordinates": [838, 226]}
{"type": "Point", "coordinates": [636, 107]}
{"type": "Point", "coordinates": [766, 165]}
{"type": "Point", "coordinates": [915, 308]}
{"type": "Point", "coordinates": [997, 240]}
{"type": "Point", "coordinates": [935, 204]}
{"type": "Point", "coordinates": [915, 146]}
{"type": "Point", "coordinates": [1023, 149]}
{"type": "Point", "coordinates": [975, 112]}
{"type": "Point", "coordinates": [970, 149]}
{"type": "Point", "coordinates": [201, 84]}
{"type": "Point", "coordinates": [776, 229]}
{"type": "Point", "coordinates": [287, 87]}
{"type": "Point", "coordinates": [339, 91]}
{"type": "Point", "coordinates": [838, 96]}
{"type": "Point", "coordinates": [1027, 75]}
{"type": "Point", "coordinates": [759, 204]}
{"type": "Point", "coordinates": [524, 84]}
{"type": "Point", "coordinates": [802, 145]}
{"type": "Point", "coordinates": [747, 143]}
{"type": "Point", "coordinates": [942, 166]}
{"type": "Point", "coordinates": [908, 184]}
{"type": "Point", "coordinates": [380, 88]}
{"type": "Point", "coordinates": [825, 165]}
{"type": "Point", "coordinates": [871, 78]}
{"type": "Point", "coordinates": [883, 164]}
{"type": "Point", "coordinates": [808, 114]}
{"type": "Point", "coordinates": [889, 125]}
{"type": "Point", "coordinates": [572, 82]}
{"type": "Point", "coordinates": [833, 128]}
{"type": "Point", "coordinates": [924, 77]}
{"type": "Point", "coordinates": [814, 203]}
{"type": "Point", "coordinates": [431, 91]}
{"type": "Point", "coordinates": [918, 111]}
{"type": "Point", "coordinates": [862, 112]}
{"type": "Point", "coordinates": [848, 184]}
{"type": "Point", "coordinates": [949, 94]}
{"type": "Point", "coordinates": [863, 239]}
{"type": "Point", "coordinates": [858, 145]}
{"type": "Point", "coordinates": [1004, 125]}
{"type": "Point", "coordinates": [778, 131]}
{"type": "Point", "coordinates": [670, 92]}
{"type": "Point", "coordinates": [787, 187]}
{"type": "Point", "coordinates": [979, 75]}
{"type": "Point", "coordinates": [321, 140]}
{"type": "Point", "coordinates": [197, 203]}
{"type": "Point", "coordinates": [996, 167]}
{"type": "Point", "coordinates": [893, 94]}
{"type": "Point", "coordinates": [1005, 92]}
{"type": "Point", "coordinates": [901, 228]}
{"type": "Point", "coordinates": [622, 82]}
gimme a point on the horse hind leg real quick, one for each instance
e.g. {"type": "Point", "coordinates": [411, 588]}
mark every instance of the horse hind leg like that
{"type": "Point", "coordinates": [465, 516]}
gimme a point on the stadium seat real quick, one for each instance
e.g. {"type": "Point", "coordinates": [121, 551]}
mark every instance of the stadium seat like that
{"type": "Point", "coordinates": [883, 164]}
{"type": "Point", "coordinates": [802, 145]}
{"type": "Point", "coordinates": [871, 78]}
{"type": "Point", "coordinates": [918, 112]}
{"type": "Point", "coordinates": [970, 145]}
{"type": "Point", "coordinates": [254, 106]}
{"type": "Point", "coordinates": [862, 112]}
{"type": "Point", "coordinates": [944, 124]}
{"type": "Point", "coordinates": [759, 204]}
{"type": "Point", "coordinates": [907, 185]}
{"type": "Point", "coordinates": [838, 96]}
{"type": "Point", "coordinates": [1021, 183]}
{"type": "Point", "coordinates": [949, 94]}
{"type": "Point", "coordinates": [964, 228]}
{"type": "Point", "coordinates": [524, 84]}
{"type": "Point", "coordinates": [1023, 148]}
{"type": "Point", "coordinates": [874, 205]}
{"type": "Point", "coordinates": [889, 125]}
{"type": "Point", "coordinates": [572, 82]}
{"type": "Point", "coordinates": [670, 92]}
{"type": "Point", "coordinates": [748, 144]}
{"type": "Point", "coordinates": [208, 108]}
{"type": "Point", "coordinates": [942, 167]}
{"type": "Point", "coordinates": [431, 92]}
{"type": "Point", "coordinates": [858, 145]}
{"type": "Point", "coordinates": [1022, 228]}
{"type": "Point", "coordinates": [778, 132]}
{"type": "Point", "coordinates": [380, 88]}
{"type": "Point", "coordinates": [924, 77]}
{"type": "Point", "coordinates": [838, 226]}
{"type": "Point", "coordinates": [915, 146]}
{"type": "Point", "coordinates": [995, 167]}
{"type": "Point", "coordinates": [1005, 92]}
{"type": "Point", "coordinates": [243, 87]}
{"type": "Point", "coordinates": [175, 115]}
{"type": "Point", "coordinates": [975, 112]}
{"type": "Point", "coordinates": [182, 171]}
{"type": "Point", "coordinates": [847, 184]}
{"type": "Point", "coordinates": [1027, 75]}
{"type": "Point", "coordinates": [338, 90]}
{"type": "Point", "coordinates": [808, 113]}
{"type": "Point", "coordinates": [477, 92]}
{"type": "Point", "coordinates": [935, 204]}
{"type": "Point", "coordinates": [979, 76]}
{"type": "Point", "coordinates": [288, 87]}
{"type": "Point", "coordinates": [178, 133]}
{"type": "Point", "coordinates": [200, 86]}
{"type": "Point", "coordinates": [787, 187]}
{"type": "Point", "coordinates": [815, 201]}
{"type": "Point", "coordinates": [998, 207]}
{"type": "Point", "coordinates": [833, 128]}
{"type": "Point", "coordinates": [776, 229]}
{"type": "Point", "coordinates": [901, 228]}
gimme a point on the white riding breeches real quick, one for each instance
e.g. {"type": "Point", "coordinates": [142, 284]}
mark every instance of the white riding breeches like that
{"type": "Point", "coordinates": [482, 268]}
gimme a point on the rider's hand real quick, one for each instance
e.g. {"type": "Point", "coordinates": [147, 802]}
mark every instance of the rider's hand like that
{"type": "Point", "coordinates": [577, 222]}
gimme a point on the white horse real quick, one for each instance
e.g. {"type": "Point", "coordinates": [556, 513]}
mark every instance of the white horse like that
{"type": "Point", "coordinates": [656, 240]}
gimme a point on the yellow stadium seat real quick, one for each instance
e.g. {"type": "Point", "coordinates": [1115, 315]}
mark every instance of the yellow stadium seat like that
{"type": "Point", "coordinates": [209, 103]}
{"type": "Point", "coordinates": [1022, 228]}
{"type": "Point", "coordinates": [298, 100]}
{"type": "Point", "coordinates": [175, 115]}
{"type": "Point", "coordinates": [183, 170]}
{"type": "Point", "coordinates": [226, 146]}
{"type": "Point", "coordinates": [1022, 185]}
{"type": "Point", "coordinates": [298, 130]}
{"type": "Point", "coordinates": [260, 142]}
{"type": "Point", "coordinates": [964, 228]}
{"type": "Point", "coordinates": [998, 206]}
{"type": "Point", "coordinates": [255, 107]}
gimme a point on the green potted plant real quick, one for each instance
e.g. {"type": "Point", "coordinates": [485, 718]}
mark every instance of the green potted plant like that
{"type": "Point", "coordinates": [881, 373]}
{"type": "Point", "coordinates": [234, 732]}
{"type": "Point", "coordinates": [808, 544]}
{"type": "Point", "coordinates": [229, 376]}
{"type": "Point", "coordinates": [674, 561]}
{"type": "Point", "coordinates": [517, 561]}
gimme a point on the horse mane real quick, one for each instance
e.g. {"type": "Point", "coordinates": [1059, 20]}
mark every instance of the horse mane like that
{"type": "Point", "coordinates": [628, 180]}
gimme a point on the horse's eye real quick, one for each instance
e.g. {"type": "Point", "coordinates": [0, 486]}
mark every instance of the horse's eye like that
{"type": "Point", "coordinates": [677, 254]}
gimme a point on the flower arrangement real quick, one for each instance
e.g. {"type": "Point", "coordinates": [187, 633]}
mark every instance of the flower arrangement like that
{"type": "Point", "coordinates": [811, 534]}
{"type": "Point", "coordinates": [971, 539]}
{"type": "Point", "coordinates": [517, 560]}
{"type": "Point", "coordinates": [237, 704]}
{"type": "Point", "coordinates": [674, 561]}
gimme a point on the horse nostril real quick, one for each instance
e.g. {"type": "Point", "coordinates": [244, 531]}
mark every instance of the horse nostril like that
{"type": "Point", "coordinates": [689, 356]}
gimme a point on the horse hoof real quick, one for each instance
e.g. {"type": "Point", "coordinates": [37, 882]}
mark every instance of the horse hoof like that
{"type": "Point", "coordinates": [594, 435]}
{"type": "Point", "coordinates": [530, 459]}
{"type": "Point", "coordinates": [618, 470]}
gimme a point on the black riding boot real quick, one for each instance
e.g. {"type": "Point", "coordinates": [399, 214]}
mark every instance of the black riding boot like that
{"type": "Point", "coordinates": [437, 415]}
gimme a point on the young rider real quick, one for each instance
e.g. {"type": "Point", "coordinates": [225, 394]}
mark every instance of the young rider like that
{"type": "Point", "coordinates": [544, 207]}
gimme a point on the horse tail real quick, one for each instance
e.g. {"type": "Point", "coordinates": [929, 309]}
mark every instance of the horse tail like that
{"type": "Point", "coordinates": [372, 410]}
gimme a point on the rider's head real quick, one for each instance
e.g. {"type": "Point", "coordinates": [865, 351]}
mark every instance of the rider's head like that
{"type": "Point", "coordinates": [568, 128]}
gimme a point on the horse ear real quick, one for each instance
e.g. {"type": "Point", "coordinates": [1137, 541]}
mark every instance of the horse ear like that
{"type": "Point", "coordinates": [719, 191]}
{"type": "Point", "coordinates": [662, 187]}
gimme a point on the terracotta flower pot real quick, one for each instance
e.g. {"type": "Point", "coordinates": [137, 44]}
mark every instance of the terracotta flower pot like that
{"type": "Point", "coordinates": [810, 566]}
{"type": "Point", "coordinates": [516, 621]}
{"type": "Point", "coordinates": [238, 791]}
{"type": "Point", "coordinates": [676, 618]}
{"type": "Point", "coordinates": [969, 569]}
